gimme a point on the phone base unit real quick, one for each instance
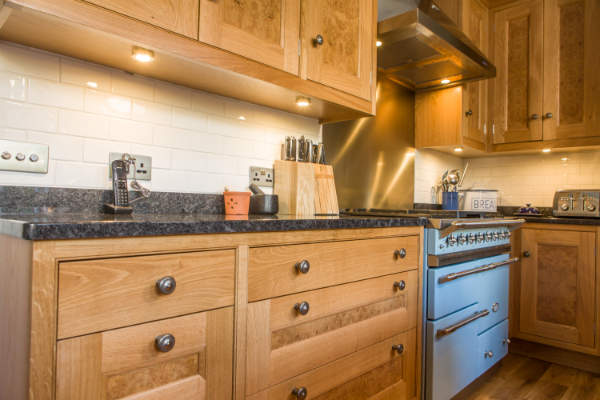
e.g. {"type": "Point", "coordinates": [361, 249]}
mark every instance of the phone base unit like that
{"type": "Point", "coordinates": [113, 209]}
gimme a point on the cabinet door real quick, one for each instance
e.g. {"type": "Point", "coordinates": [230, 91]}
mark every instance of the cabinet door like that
{"type": "Point", "coordinates": [263, 30]}
{"type": "Point", "coordinates": [571, 61]}
{"type": "Point", "coordinates": [128, 363]}
{"type": "Point", "coordinates": [517, 102]}
{"type": "Point", "coordinates": [344, 60]}
{"type": "Point", "coordinates": [475, 26]}
{"type": "Point", "coordinates": [180, 16]}
{"type": "Point", "coordinates": [451, 9]}
{"type": "Point", "coordinates": [557, 285]}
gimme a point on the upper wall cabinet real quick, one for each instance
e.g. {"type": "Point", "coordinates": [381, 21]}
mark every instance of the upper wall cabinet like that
{"type": "Point", "coordinates": [517, 104]}
{"type": "Point", "coordinates": [571, 69]}
{"type": "Point", "coordinates": [451, 8]}
{"type": "Point", "coordinates": [263, 30]}
{"type": "Point", "coordinates": [179, 16]}
{"type": "Point", "coordinates": [338, 44]}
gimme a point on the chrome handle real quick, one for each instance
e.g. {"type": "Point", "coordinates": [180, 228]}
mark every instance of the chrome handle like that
{"type": "Point", "coordinates": [488, 267]}
{"type": "Point", "coordinates": [445, 230]}
{"type": "Point", "coordinates": [166, 285]}
{"type": "Point", "coordinates": [548, 115]}
{"type": "Point", "coordinates": [458, 325]}
{"type": "Point", "coordinates": [302, 308]}
{"type": "Point", "coordinates": [526, 254]}
{"type": "Point", "coordinates": [400, 285]}
{"type": "Point", "coordinates": [398, 348]}
{"type": "Point", "coordinates": [495, 307]}
{"type": "Point", "coordinates": [535, 116]}
{"type": "Point", "coordinates": [164, 343]}
{"type": "Point", "coordinates": [318, 40]}
{"type": "Point", "coordinates": [303, 267]}
{"type": "Point", "coordinates": [488, 354]}
{"type": "Point", "coordinates": [399, 253]}
{"type": "Point", "coordinates": [469, 113]}
{"type": "Point", "coordinates": [301, 393]}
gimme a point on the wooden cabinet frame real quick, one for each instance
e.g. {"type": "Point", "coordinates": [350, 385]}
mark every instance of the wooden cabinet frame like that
{"type": "Point", "coordinates": [34, 267]}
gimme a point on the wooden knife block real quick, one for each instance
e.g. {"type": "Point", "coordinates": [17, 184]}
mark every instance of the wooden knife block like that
{"type": "Point", "coordinates": [305, 189]}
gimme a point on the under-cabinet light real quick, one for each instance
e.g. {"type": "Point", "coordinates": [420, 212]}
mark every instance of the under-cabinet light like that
{"type": "Point", "coordinates": [302, 101]}
{"type": "Point", "coordinates": [142, 55]}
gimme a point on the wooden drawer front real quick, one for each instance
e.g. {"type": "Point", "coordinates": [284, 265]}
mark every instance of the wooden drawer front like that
{"type": "Point", "coordinates": [341, 320]}
{"type": "Point", "coordinates": [96, 295]}
{"type": "Point", "coordinates": [125, 363]}
{"type": "Point", "coordinates": [375, 372]}
{"type": "Point", "coordinates": [272, 271]}
{"type": "Point", "coordinates": [179, 16]}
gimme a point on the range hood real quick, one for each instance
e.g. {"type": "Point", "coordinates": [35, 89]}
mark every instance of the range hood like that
{"type": "Point", "coordinates": [422, 47]}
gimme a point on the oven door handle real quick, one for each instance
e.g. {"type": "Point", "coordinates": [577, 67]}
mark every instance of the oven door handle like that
{"type": "Point", "coordinates": [511, 224]}
{"type": "Point", "coordinates": [458, 325]}
{"type": "Point", "coordinates": [488, 267]}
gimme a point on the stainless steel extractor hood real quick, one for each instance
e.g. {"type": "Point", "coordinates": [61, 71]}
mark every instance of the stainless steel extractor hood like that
{"type": "Point", "coordinates": [422, 47]}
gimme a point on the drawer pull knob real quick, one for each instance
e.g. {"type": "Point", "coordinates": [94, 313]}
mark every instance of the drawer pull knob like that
{"type": "Point", "coordinates": [166, 285]}
{"type": "Point", "coordinates": [302, 308]}
{"type": "Point", "coordinates": [303, 267]}
{"type": "Point", "coordinates": [400, 285]}
{"type": "Point", "coordinates": [318, 40]}
{"type": "Point", "coordinates": [300, 393]}
{"type": "Point", "coordinates": [495, 307]}
{"type": "Point", "coordinates": [526, 254]}
{"type": "Point", "coordinates": [165, 343]}
{"type": "Point", "coordinates": [488, 354]}
{"type": "Point", "coordinates": [400, 253]}
{"type": "Point", "coordinates": [506, 341]}
{"type": "Point", "coordinates": [398, 348]}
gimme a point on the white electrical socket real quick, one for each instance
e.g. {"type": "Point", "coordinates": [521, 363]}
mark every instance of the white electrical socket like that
{"type": "Point", "coordinates": [262, 176]}
{"type": "Point", "coordinates": [23, 157]}
{"type": "Point", "coordinates": [143, 166]}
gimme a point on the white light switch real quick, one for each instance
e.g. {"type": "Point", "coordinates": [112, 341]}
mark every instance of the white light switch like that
{"type": "Point", "coordinates": [23, 157]}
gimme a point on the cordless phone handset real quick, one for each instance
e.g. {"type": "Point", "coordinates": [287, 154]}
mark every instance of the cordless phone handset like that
{"type": "Point", "coordinates": [121, 204]}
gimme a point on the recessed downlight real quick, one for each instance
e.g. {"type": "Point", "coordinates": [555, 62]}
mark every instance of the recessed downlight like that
{"type": "Point", "coordinates": [303, 101]}
{"type": "Point", "coordinates": [458, 149]}
{"type": "Point", "coordinates": [564, 159]}
{"type": "Point", "coordinates": [378, 43]}
{"type": "Point", "coordinates": [546, 150]}
{"type": "Point", "coordinates": [445, 81]}
{"type": "Point", "coordinates": [92, 84]}
{"type": "Point", "coordinates": [242, 118]}
{"type": "Point", "coordinates": [142, 55]}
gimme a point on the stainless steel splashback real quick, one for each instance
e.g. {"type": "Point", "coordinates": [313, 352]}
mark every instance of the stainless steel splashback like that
{"type": "Point", "coordinates": [373, 157]}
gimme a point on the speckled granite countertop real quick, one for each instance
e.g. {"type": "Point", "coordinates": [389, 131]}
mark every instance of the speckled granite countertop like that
{"type": "Point", "coordinates": [80, 226]}
{"type": "Point", "coordinates": [562, 220]}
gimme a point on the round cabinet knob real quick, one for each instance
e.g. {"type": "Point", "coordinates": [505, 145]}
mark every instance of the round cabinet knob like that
{"type": "Point", "coordinates": [495, 307]}
{"type": "Point", "coordinates": [164, 343]}
{"type": "Point", "coordinates": [548, 115]}
{"type": "Point", "coordinates": [526, 254]}
{"type": "Point", "coordinates": [318, 40]}
{"type": "Point", "coordinates": [166, 285]}
{"type": "Point", "coordinates": [535, 116]}
{"type": "Point", "coordinates": [488, 354]}
{"type": "Point", "coordinates": [398, 348]}
{"type": "Point", "coordinates": [400, 285]}
{"type": "Point", "coordinates": [469, 113]}
{"type": "Point", "coordinates": [303, 267]}
{"type": "Point", "coordinates": [564, 206]}
{"type": "Point", "coordinates": [302, 308]}
{"type": "Point", "coordinates": [506, 341]}
{"type": "Point", "coordinates": [301, 393]}
{"type": "Point", "coordinates": [399, 253]}
{"type": "Point", "coordinates": [6, 155]}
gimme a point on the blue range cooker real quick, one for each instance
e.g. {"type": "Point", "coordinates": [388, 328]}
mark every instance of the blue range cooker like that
{"type": "Point", "coordinates": [466, 300]}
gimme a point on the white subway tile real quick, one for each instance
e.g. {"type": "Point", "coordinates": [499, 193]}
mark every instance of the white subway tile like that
{"type": "Point", "coordinates": [175, 95]}
{"type": "Point", "coordinates": [82, 175]}
{"type": "Point", "coordinates": [161, 157]}
{"type": "Point", "coordinates": [97, 151]}
{"type": "Point", "coordinates": [107, 104]}
{"type": "Point", "coordinates": [82, 124]}
{"type": "Point", "coordinates": [151, 112]}
{"type": "Point", "coordinates": [130, 131]}
{"type": "Point", "coordinates": [188, 119]}
{"type": "Point", "coordinates": [25, 116]}
{"type": "Point", "coordinates": [240, 147]}
{"type": "Point", "coordinates": [13, 134]}
{"type": "Point", "coordinates": [186, 139]}
{"type": "Point", "coordinates": [132, 85]}
{"type": "Point", "coordinates": [189, 160]}
{"type": "Point", "coordinates": [55, 94]}
{"type": "Point", "coordinates": [85, 74]}
{"type": "Point", "coordinates": [27, 61]}
{"type": "Point", "coordinates": [61, 147]}
{"type": "Point", "coordinates": [13, 86]}
{"type": "Point", "coordinates": [208, 103]}
{"type": "Point", "coordinates": [29, 178]}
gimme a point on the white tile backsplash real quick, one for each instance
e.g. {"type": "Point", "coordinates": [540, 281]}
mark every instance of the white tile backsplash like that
{"type": "Point", "coordinates": [195, 139]}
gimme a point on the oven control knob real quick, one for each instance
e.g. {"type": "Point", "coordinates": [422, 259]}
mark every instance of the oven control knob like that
{"type": "Point", "coordinates": [564, 206]}
{"type": "Point", "coordinates": [508, 234]}
{"type": "Point", "coordinates": [480, 237]}
{"type": "Point", "coordinates": [488, 237]}
{"type": "Point", "coordinates": [471, 238]}
{"type": "Point", "coordinates": [495, 236]}
{"type": "Point", "coordinates": [451, 240]}
{"type": "Point", "coordinates": [462, 239]}
{"type": "Point", "coordinates": [589, 206]}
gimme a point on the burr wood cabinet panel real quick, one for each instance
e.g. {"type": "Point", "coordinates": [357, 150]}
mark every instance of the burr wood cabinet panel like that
{"type": "Point", "coordinates": [557, 286]}
{"type": "Point", "coordinates": [263, 30]}
{"type": "Point", "coordinates": [133, 363]}
{"type": "Point", "coordinates": [338, 42]}
{"type": "Point", "coordinates": [275, 271]}
{"type": "Point", "coordinates": [95, 295]}
{"type": "Point", "coordinates": [179, 16]}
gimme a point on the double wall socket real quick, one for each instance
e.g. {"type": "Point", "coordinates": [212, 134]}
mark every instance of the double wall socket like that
{"type": "Point", "coordinates": [143, 166]}
{"type": "Point", "coordinates": [23, 157]}
{"type": "Point", "coordinates": [261, 176]}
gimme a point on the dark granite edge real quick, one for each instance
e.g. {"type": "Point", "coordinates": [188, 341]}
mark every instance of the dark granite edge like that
{"type": "Point", "coordinates": [95, 229]}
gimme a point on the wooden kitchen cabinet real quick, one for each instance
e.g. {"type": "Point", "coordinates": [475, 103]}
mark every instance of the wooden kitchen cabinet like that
{"type": "Point", "coordinates": [338, 44]}
{"type": "Point", "coordinates": [452, 8]}
{"type": "Point", "coordinates": [266, 31]}
{"type": "Point", "coordinates": [555, 287]}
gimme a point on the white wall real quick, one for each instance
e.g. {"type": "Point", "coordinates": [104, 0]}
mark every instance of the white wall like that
{"type": "Point", "coordinates": [520, 179]}
{"type": "Point", "coordinates": [195, 139]}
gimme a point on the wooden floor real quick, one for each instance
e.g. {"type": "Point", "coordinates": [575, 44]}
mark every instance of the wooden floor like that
{"type": "Point", "coordinates": [519, 377]}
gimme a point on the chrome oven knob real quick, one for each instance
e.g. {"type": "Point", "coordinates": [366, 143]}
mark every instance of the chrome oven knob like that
{"type": "Point", "coordinates": [488, 237]}
{"type": "Point", "coordinates": [495, 236]}
{"type": "Point", "coordinates": [451, 240]}
{"type": "Point", "coordinates": [564, 206]}
{"type": "Point", "coordinates": [589, 206]}
{"type": "Point", "coordinates": [462, 239]}
{"type": "Point", "coordinates": [480, 237]}
{"type": "Point", "coordinates": [471, 238]}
